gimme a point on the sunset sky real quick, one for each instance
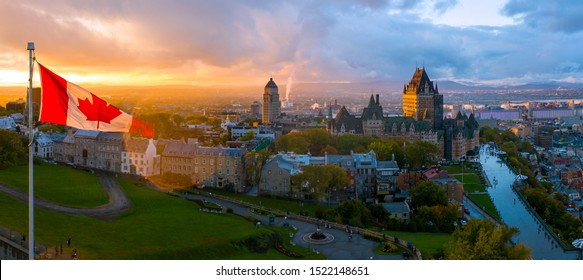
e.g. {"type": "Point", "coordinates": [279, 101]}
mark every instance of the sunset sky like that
{"type": "Point", "coordinates": [173, 42]}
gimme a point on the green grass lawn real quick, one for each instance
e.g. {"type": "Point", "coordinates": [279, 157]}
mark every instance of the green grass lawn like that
{"type": "Point", "coordinates": [486, 201]}
{"type": "Point", "coordinates": [158, 226]}
{"type": "Point", "coordinates": [428, 243]}
{"type": "Point", "coordinates": [273, 203]}
{"type": "Point", "coordinates": [471, 183]}
{"type": "Point", "coordinates": [59, 184]}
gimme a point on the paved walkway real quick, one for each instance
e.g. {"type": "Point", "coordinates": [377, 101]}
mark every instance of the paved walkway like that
{"type": "Point", "coordinates": [341, 248]}
{"type": "Point", "coordinates": [118, 202]}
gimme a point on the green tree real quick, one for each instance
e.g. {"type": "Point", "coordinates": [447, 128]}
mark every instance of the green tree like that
{"type": "Point", "coordinates": [321, 180]}
{"type": "Point", "coordinates": [248, 136]}
{"type": "Point", "coordinates": [427, 193]}
{"type": "Point", "coordinates": [350, 142]}
{"type": "Point", "coordinates": [254, 162]}
{"type": "Point", "coordinates": [421, 153]}
{"type": "Point", "coordinates": [317, 139]}
{"type": "Point", "coordinates": [386, 148]}
{"type": "Point", "coordinates": [178, 120]}
{"type": "Point", "coordinates": [13, 149]}
{"type": "Point", "coordinates": [329, 150]}
{"type": "Point", "coordinates": [353, 213]}
{"type": "Point", "coordinates": [379, 214]}
{"type": "Point", "coordinates": [292, 143]}
{"type": "Point", "coordinates": [483, 240]}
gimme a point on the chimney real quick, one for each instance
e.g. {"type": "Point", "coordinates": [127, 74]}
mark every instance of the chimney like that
{"type": "Point", "coordinates": [377, 99]}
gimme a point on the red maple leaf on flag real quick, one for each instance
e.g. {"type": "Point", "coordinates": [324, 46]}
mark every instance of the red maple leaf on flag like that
{"type": "Point", "coordinates": [99, 110]}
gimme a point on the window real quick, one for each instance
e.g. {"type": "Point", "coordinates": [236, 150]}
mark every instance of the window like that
{"type": "Point", "coordinates": [212, 170]}
{"type": "Point", "coordinates": [228, 171]}
{"type": "Point", "coordinates": [203, 161]}
{"type": "Point", "coordinates": [196, 169]}
{"type": "Point", "coordinates": [212, 161]}
{"type": "Point", "coordinates": [203, 170]}
{"type": "Point", "coordinates": [228, 162]}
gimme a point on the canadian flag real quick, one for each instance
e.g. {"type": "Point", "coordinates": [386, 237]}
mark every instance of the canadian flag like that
{"type": "Point", "coordinates": [68, 104]}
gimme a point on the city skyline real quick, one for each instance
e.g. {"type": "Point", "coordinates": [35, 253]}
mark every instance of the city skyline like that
{"type": "Point", "coordinates": [235, 43]}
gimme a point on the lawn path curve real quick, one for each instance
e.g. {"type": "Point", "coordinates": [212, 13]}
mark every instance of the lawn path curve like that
{"type": "Point", "coordinates": [118, 202]}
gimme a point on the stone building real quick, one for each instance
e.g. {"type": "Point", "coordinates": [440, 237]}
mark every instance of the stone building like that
{"type": "Point", "coordinates": [139, 157]}
{"type": "Point", "coordinates": [422, 120]}
{"type": "Point", "coordinates": [422, 101]}
{"type": "Point", "coordinates": [218, 167]}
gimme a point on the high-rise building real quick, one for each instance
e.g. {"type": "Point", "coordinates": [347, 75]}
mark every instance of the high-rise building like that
{"type": "Point", "coordinates": [256, 109]}
{"type": "Point", "coordinates": [271, 103]}
{"type": "Point", "coordinates": [422, 101]}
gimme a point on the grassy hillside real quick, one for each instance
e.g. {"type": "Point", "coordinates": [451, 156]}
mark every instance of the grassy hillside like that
{"type": "Point", "coordinates": [59, 184]}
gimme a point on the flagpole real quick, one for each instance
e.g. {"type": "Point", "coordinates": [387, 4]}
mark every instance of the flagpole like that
{"type": "Point", "coordinates": [30, 49]}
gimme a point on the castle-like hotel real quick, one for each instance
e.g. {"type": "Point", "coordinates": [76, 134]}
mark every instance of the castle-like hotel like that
{"type": "Point", "coordinates": [422, 120]}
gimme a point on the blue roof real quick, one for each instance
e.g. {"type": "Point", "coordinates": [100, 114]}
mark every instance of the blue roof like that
{"type": "Point", "coordinates": [87, 133]}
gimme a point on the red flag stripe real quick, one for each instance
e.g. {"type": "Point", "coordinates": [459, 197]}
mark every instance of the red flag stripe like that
{"type": "Point", "coordinates": [55, 100]}
{"type": "Point", "coordinates": [142, 128]}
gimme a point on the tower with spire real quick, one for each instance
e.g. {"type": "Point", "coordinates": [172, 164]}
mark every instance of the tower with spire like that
{"type": "Point", "coordinates": [271, 103]}
{"type": "Point", "coordinates": [422, 101]}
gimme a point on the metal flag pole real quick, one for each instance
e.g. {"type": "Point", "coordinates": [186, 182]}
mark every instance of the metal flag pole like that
{"type": "Point", "coordinates": [30, 49]}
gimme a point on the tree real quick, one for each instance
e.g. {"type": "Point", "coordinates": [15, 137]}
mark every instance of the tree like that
{"type": "Point", "coordinates": [13, 149]}
{"type": "Point", "coordinates": [254, 162]}
{"type": "Point", "coordinates": [427, 193]}
{"type": "Point", "coordinates": [329, 150]}
{"type": "Point", "coordinates": [178, 119]}
{"type": "Point", "coordinates": [321, 180]}
{"type": "Point", "coordinates": [248, 136]}
{"type": "Point", "coordinates": [292, 143]}
{"type": "Point", "coordinates": [353, 213]}
{"type": "Point", "coordinates": [386, 148]}
{"type": "Point", "coordinates": [483, 240]}
{"type": "Point", "coordinates": [421, 153]}
{"type": "Point", "coordinates": [379, 214]}
{"type": "Point", "coordinates": [317, 139]}
{"type": "Point", "coordinates": [350, 142]}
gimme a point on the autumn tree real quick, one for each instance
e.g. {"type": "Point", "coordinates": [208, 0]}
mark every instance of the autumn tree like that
{"type": "Point", "coordinates": [482, 240]}
{"type": "Point", "coordinates": [421, 153]}
{"type": "Point", "coordinates": [386, 148]}
{"type": "Point", "coordinates": [317, 139]}
{"type": "Point", "coordinates": [254, 162]}
{"type": "Point", "coordinates": [320, 180]}
{"type": "Point", "coordinates": [292, 143]}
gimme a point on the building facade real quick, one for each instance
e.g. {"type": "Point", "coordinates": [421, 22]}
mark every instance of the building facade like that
{"type": "Point", "coordinates": [139, 157]}
{"type": "Point", "coordinates": [422, 101]}
{"type": "Point", "coordinates": [271, 104]}
{"type": "Point", "coordinates": [422, 121]}
{"type": "Point", "coordinates": [218, 167]}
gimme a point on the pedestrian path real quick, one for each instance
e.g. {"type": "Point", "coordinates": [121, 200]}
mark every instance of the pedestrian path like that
{"type": "Point", "coordinates": [341, 248]}
{"type": "Point", "coordinates": [118, 202]}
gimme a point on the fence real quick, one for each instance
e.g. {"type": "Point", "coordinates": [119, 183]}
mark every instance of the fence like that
{"type": "Point", "coordinates": [14, 245]}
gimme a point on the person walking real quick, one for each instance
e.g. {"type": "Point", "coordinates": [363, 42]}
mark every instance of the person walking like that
{"type": "Point", "coordinates": [69, 242]}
